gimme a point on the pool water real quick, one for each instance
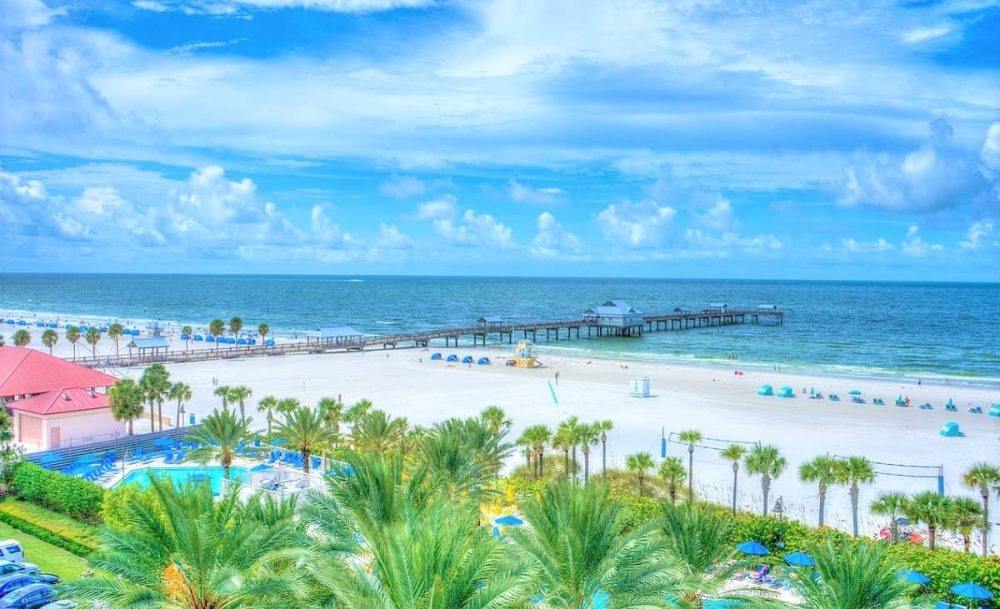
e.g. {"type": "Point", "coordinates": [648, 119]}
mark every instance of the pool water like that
{"type": "Point", "coordinates": [181, 475]}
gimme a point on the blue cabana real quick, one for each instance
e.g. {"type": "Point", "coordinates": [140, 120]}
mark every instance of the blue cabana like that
{"type": "Point", "coordinates": [269, 342]}
{"type": "Point", "coordinates": [241, 341]}
{"type": "Point", "coordinates": [753, 548]}
{"type": "Point", "coordinates": [951, 430]}
{"type": "Point", "coordinates": [509, 521]}
{"type": "Point", "coordinates": [185, 336]}
{"type": "Point", "coordinates": [209, 338]}
{"type": "Point", "coordinates": [786, 392]}
{"type": "Point", "coordinates": [251, 341]}
{"type": "Point", "coordinates": [765, 390]}
{"type": "Point", "coordinates": [452, 358]}
{"type": "Point", "coordinates": [278, 442]}
{"type": "Point", "coordinates": [198, 338]}
{"type": "Point", "coordinates": [800, 559]}
{"type": "Point", "coordinates": [467, 359]}
{"type": "Point", "coordinates": [52, 325]}
{"type": "Point", "coordinates": [39, 324]}
{"type": "Point", "coordinates": [435, 356]}
{"type": "Point", "coordinates": [854, 392]}
{"type": "Point", "coordinates": [483, 361]}
{"type": "Point", "coordinates": [950, 404]}
{"type": "Point", "coordinates": [913, 577]}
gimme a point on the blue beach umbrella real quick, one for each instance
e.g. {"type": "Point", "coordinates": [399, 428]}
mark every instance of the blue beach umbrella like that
{"type": "Point", "coordinates": [973, 591]}
{"type": "Point", "coordinates": [800, 559]}
{"type": "Point", "coordinates": [913, 577]}
{"type": "Point", "coordinates": [754, 548]}
{"type": "Point", "coordinates": [854, 392]}
{"type": "Point", "coordinates": [509, 521]}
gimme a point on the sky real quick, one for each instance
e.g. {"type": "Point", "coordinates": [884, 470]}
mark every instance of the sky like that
{"type": "Point", "coordinates": [690, 138]}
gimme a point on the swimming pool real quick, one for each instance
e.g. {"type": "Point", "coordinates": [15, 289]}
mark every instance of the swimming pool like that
{"type": "Point", "coordinates": [180, 475]}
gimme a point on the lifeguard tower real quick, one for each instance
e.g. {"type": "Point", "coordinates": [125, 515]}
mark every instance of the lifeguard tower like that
{"type": "Point", "coordinates": [523, 357]}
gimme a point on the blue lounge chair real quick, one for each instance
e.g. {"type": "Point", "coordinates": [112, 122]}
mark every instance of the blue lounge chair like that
{"type": "Point", "coordinates": [834, 397]}
{"type": "Point", "coordinates": [976, 410]}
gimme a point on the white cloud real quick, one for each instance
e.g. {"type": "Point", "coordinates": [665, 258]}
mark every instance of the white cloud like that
{"type": "Point", "coordinates": [522, 193]}
{"type": "Point", "coordinates": [719, 215]}
{"type": "Point", "coordinates": [553, 240]}
{"type": "Point", "coordinates": [390, 238]}
{"type": "Point", "coordinates": [635, 225]}
{"type": "Point", "coordinates": [989, 153]}
{"type": "Point", "coordinates": [979, 236]}
{"type": "Point", "coordinates": [481, 230]}
{"type": "Point", "coordinates": [237, 8]}
{"type": "Point", "coordinates": [151, 5]}
{"type": "Point", "coordinates": [102, 201]}
{"type": "Point", "coordinates": [27, 14]}
{"type": "Point", "coordinates": [704, 244]}
{"type": "Point", "coordinates": [196, 45]}
{"type": "Point", "coordinates": [924, 34]}
{"type": "Point", "coordinates": [444, 207]}
{"type": "Point", "coordinates": [325, 231]}
{"type": "Point", "coordinates": [403, 187]}
{"type": "Point", "coordinates": [854, 246]}
{"type": "Point", "coordinates": [916, 247]}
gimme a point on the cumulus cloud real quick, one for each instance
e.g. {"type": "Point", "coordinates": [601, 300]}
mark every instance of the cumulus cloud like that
{"type": "Point", "coordinates": [554, 240]}
{"type": "Point", "coordinates": [635, 225]}
{"type": "Point", "coordinates": [979, 236]}
{"type": "Point", "coordinates": [390, 238]}
{"type": "Point", "coordinates": [852, 245]}
{"type": "Point", "coordinates": [482, 230]}
{"type": "Point", "coordinates": [522, 193]}
{"type": "Point", "coordinates": [916, 247]}
{"type": "Point", "coordinates": [444, 207]}
{"type": "Point", "coordinates": [403, 187]}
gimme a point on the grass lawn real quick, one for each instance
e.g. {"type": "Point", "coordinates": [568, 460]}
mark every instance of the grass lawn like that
{"type": "Point", "coordinates": [49, 558]}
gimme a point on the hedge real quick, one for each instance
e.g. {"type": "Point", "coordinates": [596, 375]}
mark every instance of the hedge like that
{"type": "Point", "coordinates": [65, 494]}
{"type": "Point", "coordinates": [54, 522]}
{"type": "Point", "coordinates": [45, 535]}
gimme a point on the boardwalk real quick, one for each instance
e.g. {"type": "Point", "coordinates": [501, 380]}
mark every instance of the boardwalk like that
{"type": "Point", "coordinates": [549, 330]}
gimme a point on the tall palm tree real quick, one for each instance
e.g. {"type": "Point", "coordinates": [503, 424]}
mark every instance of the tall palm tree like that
{"type": "Point", "coordinates": [931, 509]}
{"type": "Point", "coordinates": [184, 549]}
{"type": "Point", "coordinates": [126, 399]}
{"type": "Point", "coordinates": [93, 337]}
{"type": "Point", "coordinates": [692, 437]}
{"type": "Point", "coordinates": [287, 406]}
{"type": "Point", "coordinates": [240, 394]}
{"type": "Point", "coordinates": [672, 472]}
{"type": "Point", "coordinates": [21, 338]}
{"type": "Point", "coordinates": [578, 544]}
{"type": "Point", "coordinates": [263, 330]}
{"type": "Point", "coordinates": [49, 338]}
{"type": "Point", "coordinates": [357, 411]}
{"type": "Point", "coordinates": [378, 431]}
{"type": "Point", "coordinates": [966, 515]}
{"type": "Point", "coordinates": [734, 453]}
{"type": "Point", "coordinates": [496, 420]}
{"type": "Point", "coordinates": [700, 538]}
{"type": "Point", "coordinates": [535, 439]}
{"type": "Point", "coordinates": [765, 460]}
{"type": "Point", "coordinates": [604, 426]}
{"type": "Point", "coordinates": [218, 437]}
{"type": "Point", "coordinates": [462, 454]}
{"type": "Point", "coordinates": [223, 391]}
{"type": "Point", "coordinates": [589, 435]}
{"type": "Point", "coordinates": [332, 410]}
{"type": "Point", "coordinates": [306, 432]}
{"type": "Point", "coordinates": [216, 328]}
{"type": "Point", "coordinates": [824, 470]}
{"type": "Point", "coordinates": [560, 441]}
{"type": "Point", "coordinates": [855, 576]}
{"type": "Point", "coordinates": [235, 325]}
{"type": "Point", "coordinates": [892, 505]}
{"type": "Point", "coordinates": [855, 471]}
{"type": "Point", "coordinates": [187, 331]}
{"type": "Point", "coordinates": [982, 477]}
{"type": "Point", "coordinates": [524, 443]}
{"type": "Point", "coordinates": [155, 383]}
{"type": "Point", "coordinates": [572, 430]}
{"type": "Point", "coordinates": [115, 332]}
{"type": "Point", "coordinates": [268, 404]}
{"type": "Point", "coordinates": [639, 464]}
{"type": "Point", "coordinates": [73, 335]}
{"type": "Point", "coordinates": [182, 393]}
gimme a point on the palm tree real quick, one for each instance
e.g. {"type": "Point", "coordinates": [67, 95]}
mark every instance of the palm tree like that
{"type": "Point", "coordinates": [579, 546]}
{"type": "Point", "coordinates": [306, 432]}
{"type": "Point", "coordinates": [639, 464]}
{"type": "Point", "coordinates": [766, 460]}
{"type": "Point", "coordinates": [734, 453]}
{"type": "Point", "coordinates": [269, 405]}
{"type": "Point", "coordinates": [223, 391]}
{"type": "Point", "coordinates": [93, 337]}
{"type": "Point", "coordinates": [560, 441]}
{"type": "Point", "coordinates": [21, 338]}
{"type": "Point", "coordinates": [332, 410]}
{"type": "Point", "coordinates": [700, 538]}
{"type": "Point", "coordinates": [357, 411]}
{"type": "Point", "coordinates": [966, 515]}
{"type": "Point", "coordinates": [184, 549]}
{"type": "Point", "coordinates": [187, 331]}
{"type": "Point", "coordinates": [524, 443]}
{"type": "Point", "coordinates": [496, 420]}
{"type": "Point", "coordinates": [824, 470]}
{"type": "Point", "coordinates": [572, 430]}
{"type": "Point", "coordinates": [240, 394]}
{"type": "Point", "coordinates": [855, 471]}
{"type": "Point", "coordinates": [49, 338]}
{"type": "Point", "coordinates": [155, 383]}
{"type": "Point", "coordinates": [589, 435]}
{"type": "Point", "coordinates": [892, 505]}
{"type": "Point", "coordinates": [982, 476]}
{"type": "Point", "coordinates": [378, 431]}
{"type": "Point", "coordinates": [931, 509]}
{"type": "Point", "coordinates": [536, 438]}
{"type": "Point", "coordinates": [855, 576]}
{"type": "Point", "coordinates": [218, 437]}
{"type": "Point", "coordinates": [263, 330]}
{"type": "Point", "coordinates": [672, 472]}
{"type": "Point", "coordinates": [235, 325]}
{"type": "Point", "coordinates": [216, 328]}
{"type": "Point", "coordinates": [73, 335]}
{"type": "Point", "coordinates": [604, 427]}
{"type": "Point", "coordinates": [115, 332]}
{"type": "Point", "coordinates": [692, 437]}
{"type": "Point", "coordinates": [462, 454]}
{"type": "Point", "coordinates": [182, 393]}
{"type": "Point", "coordinates": [126, 398]}
{"type": "Point", "coordinates": [286, 406]}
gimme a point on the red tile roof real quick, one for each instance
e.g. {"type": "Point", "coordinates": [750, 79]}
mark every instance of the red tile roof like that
{"type": "Point", "coordinates": [27, 372]}
{"type": "Point", "coordinates": [61, 401]}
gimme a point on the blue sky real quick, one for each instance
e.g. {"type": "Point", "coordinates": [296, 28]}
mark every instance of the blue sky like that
{"type": "Point", "coordinates": [711, 138]}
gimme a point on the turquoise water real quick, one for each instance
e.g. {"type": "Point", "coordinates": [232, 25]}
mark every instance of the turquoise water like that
{"type": "Point", "coordinates": [864, 328]}
{"type": "Point", "coordinates": [181, 475]}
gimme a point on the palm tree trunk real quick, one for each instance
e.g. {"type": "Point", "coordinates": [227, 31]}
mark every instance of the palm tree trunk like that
{"type": "Point", "coordinates": [822, 504]}
{"type": "Point", "coordinates": [604, 454]}
{"type": "Point", "coordinates": [270, 419]}
{"type": "Point", "coordinates": [225, 471]}
{"type": "Point", "coordinates": [673, 494]}
{"type": "Point", "coordinates": [854, 508]}
{"type": "Point", "coordinates": [566, 460]}
{"type": "Point", "coordinates": [243, 414]}
{"type": "Point", "coordinates": [177, 421]}
{"type": "Point", "coordinates": [765, 485]}
{"type": "Point", "coordinates": [931, 534]}
{"type": "Point", "coordinates": [306, 457]}
{"type": "Point", "coordinates": [894, 530]}
{"type": "Point", "coordinates": [986, 521]}
{"type": "Point", "coordinates": [690, 473]}
{"type": "Point", "coordinates": [965, 541]}
{"type": "Point", "coordinates": [159, 412]}
{"type": "Point", "coordinates": [130, 427]}
{"type": "Point", "coordinates": [527, 455]}
{"type": "Point", "coordinates": [641, 477]}
{"type": "Point", "coordinates": [541, 464]}
{"type": "Point", "coordinates": [736, 471]}
{"type": "Point", "coordinates": [574, 462]}
{"type": "Point", "coordinates": [586, 466]}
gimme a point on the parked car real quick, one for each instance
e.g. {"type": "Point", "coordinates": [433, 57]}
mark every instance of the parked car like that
{"type": "Point", "coordinates": [8, 566]}
{"type": "Point", "coordinates": [9, 583]}
{"type": "Point", "coordinates": [31, 596]}
{"type": "Point", "coordinates": [10, 549]}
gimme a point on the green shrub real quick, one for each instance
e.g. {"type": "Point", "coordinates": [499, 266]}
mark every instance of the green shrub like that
{"type": "Point", "coordinates": [70, 545]}
{"type": "Point", "coordinates": [946, 567]}
{"type": "Point", "coordinates": [65, 494]}
{"type": "Point", "coordinates": [54, 522]}
{"type": "Point", "coordinates": [117, 498]}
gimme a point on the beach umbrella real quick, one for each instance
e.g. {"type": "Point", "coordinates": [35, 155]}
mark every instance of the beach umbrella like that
{"type": "Point", "coordinates": [913, 577]}
{"type": "Point", "coordinates": [903, 521]}
{"type": "Point", "coordinates": [800, 559]}
{"type": "Point", "coordinates": [754, 548]}
{"type": "Point", "coordinates": [973, 591]}
{"type": "Point", "coordinates": [509, 521]}
{"type": "Point", "coordinates": [854, 392]}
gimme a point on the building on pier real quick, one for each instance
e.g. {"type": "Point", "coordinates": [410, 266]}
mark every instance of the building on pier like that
{"type": "Point", "coordinates": [616, 318]}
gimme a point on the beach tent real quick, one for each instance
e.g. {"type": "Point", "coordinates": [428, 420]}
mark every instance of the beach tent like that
{"type": "Point", "coordinates": [483, 361]}
{"type": "Point", "coordinates": [52, 325]}
{"type": "Point", "coordinates": [435, 356]}
{"type": "Point", "coordinates": [950, 405]}
{"type": "Point", "coordinates": [973, 591]}
{"type": "Point", "coordinates": [765, 390]}
{"type": "Point", "coordinates": [241, 341]}
{"type": "Point", "coordinates": [951, 430]}
{"type": "Point", "coordinates": [39, 324]}
{"type": "Point", "coordinates": [269, 342]}
{"type": "Point", "coordinates": [800, 559]}
{"type": "Point", "coordinates": [900, 401]}
{"type": "Point", "coordinates": [251, 341]}
{"type": "Point", "coordinates": [198, 338]}
{"type": "Point", "coordinates": [786, 392]}
{"type": "Point", "coordinates": [209, 338]}
{"type": "Point", "coordinates": [452, 358]}
{"type": "Point", "coordinates": [753, 548]}
{"type": "Point", "coordinates": [185, 337]}
{"type": "Point", "coordinates": [995, 411]}
{"type": "Point", "coordinates": [467, 359]}
{"type": "Point", "coordinates": [913, 577]}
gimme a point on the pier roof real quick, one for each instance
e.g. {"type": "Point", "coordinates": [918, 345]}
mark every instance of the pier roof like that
{"type": "Point", "coordinates": [151, 342]}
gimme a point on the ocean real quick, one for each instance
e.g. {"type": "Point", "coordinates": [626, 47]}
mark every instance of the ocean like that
{"type": "Point", "coordinates": [929, 330]}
